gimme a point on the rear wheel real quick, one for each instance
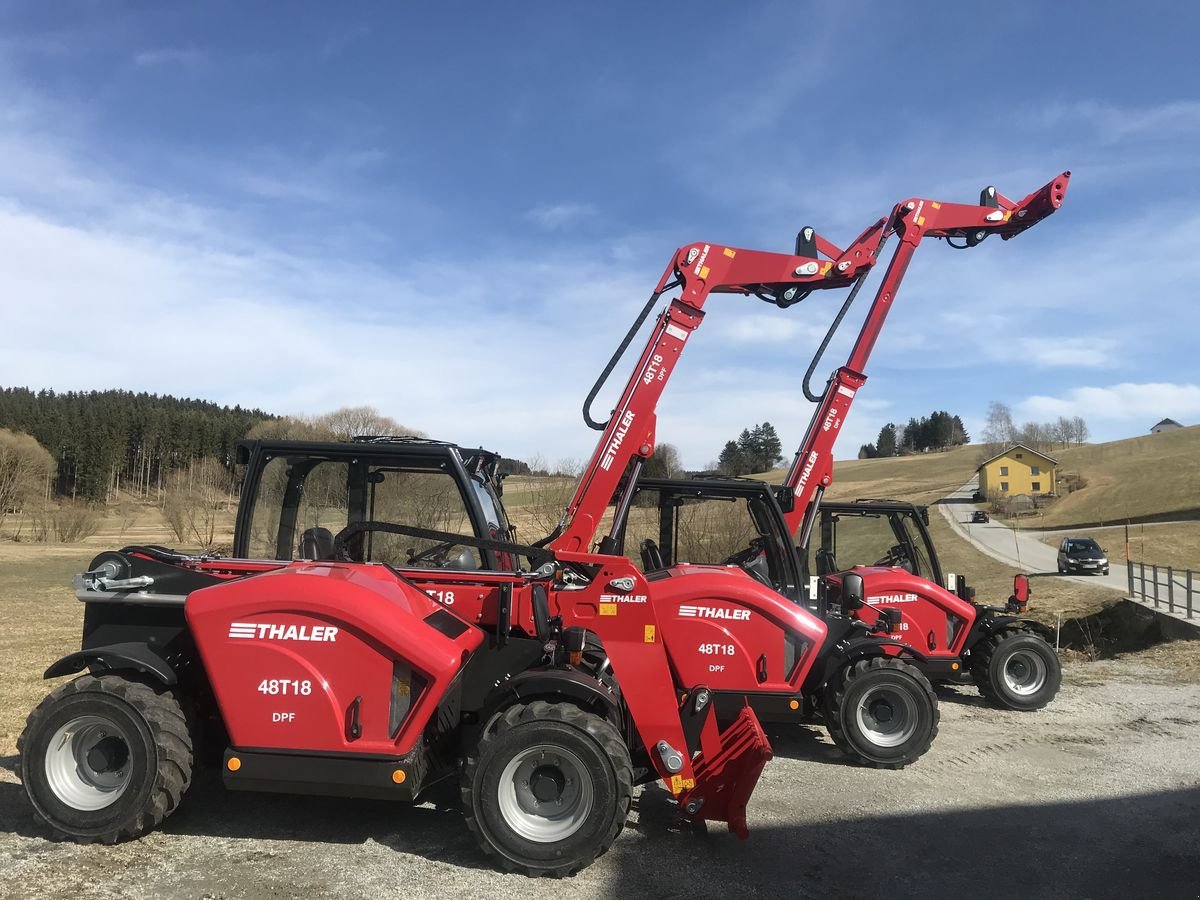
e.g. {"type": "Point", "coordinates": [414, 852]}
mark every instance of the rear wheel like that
{"type": "Point", "coordinates": [548, 788]}
{"type": "Point", "coordinates": [1016, 669]}
{"type": "Point", "coordinates": [105, 759]}
{"type": "Point", "coordinates": [882, 712]}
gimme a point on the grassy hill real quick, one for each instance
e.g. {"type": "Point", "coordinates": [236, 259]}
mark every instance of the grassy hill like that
{"type": "Point", "coordinates": [1143, 479]}
{"type": "Point", "coordinates": [923, 478]}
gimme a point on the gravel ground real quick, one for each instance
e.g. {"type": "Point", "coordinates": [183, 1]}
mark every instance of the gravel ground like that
{"type": "Point", "coordinates": [1097, 796]}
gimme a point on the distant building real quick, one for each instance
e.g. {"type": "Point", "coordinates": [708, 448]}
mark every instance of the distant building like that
{"type": "Point", "coordinates": [1165, 425]}
{"type": "Point", "coordinates": [1018, 470]}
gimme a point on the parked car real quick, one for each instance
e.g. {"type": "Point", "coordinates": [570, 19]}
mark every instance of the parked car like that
{"type": "Point", "coordinates": [980, 516]}
{"type": "Point", "coordinates": [1081, 555]}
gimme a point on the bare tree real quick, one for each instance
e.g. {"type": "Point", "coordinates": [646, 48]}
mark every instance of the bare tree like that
{"type": "Point", "coordinates": [998, 430]}
{"type": "Point", "coordinates": [196, 499]}
{"type": "Point", "coordinates": [1080, 430]}
{"type": "Point", "coordinates": [352, 421]}
{"type": "Point", "coordinates": [26, 468]}
{"type": "Point", "coordinates": [665, 463]}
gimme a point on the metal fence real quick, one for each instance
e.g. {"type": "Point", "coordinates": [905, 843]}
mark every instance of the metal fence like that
{"type": "Point", "coordinates": [1176, 590]}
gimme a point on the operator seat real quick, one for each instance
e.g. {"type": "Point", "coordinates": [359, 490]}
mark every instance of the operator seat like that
{"type": "Point", "coordinates": [826, 563]}
{"type": "Point", "coordinates": [652, 559]}
{"type": "Point", "coordinates": [316, 543]}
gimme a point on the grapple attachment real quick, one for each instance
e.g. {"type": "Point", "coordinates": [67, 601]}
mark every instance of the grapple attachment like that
{"type": "Point", "coordinates": [727, 773]}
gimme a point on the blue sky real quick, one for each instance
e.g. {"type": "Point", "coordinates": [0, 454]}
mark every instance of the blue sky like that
{"type": "Point", "coordinates": [452, 212]}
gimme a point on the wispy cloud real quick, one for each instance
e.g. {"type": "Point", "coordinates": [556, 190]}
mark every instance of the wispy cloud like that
{"type": "Point", "coordinates": [187, 57]}
{"type": "Point", "coordinates": [341, 39]}
{"type": "Point", "coordinates": [1089, 352]}
{"type": "Point", "coordinates": [560, 216]}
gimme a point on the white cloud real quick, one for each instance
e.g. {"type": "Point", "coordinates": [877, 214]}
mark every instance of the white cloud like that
{"type": "Point", "coordinates": [1126, 402]}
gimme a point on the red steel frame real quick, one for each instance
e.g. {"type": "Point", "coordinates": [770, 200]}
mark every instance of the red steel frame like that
{"type": "Point", "coordinates": [701, 269]}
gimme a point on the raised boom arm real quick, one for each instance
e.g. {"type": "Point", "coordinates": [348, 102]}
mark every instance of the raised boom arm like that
{"type": "Point", "coordinates": [701, 269]}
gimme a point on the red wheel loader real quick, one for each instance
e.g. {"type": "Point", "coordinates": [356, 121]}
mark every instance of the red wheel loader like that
{"type": "Point", "coordinates": [549, 691]}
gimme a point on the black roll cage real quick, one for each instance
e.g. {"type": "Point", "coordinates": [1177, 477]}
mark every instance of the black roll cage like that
{"type": "Point", "coordinates": [463, 465]}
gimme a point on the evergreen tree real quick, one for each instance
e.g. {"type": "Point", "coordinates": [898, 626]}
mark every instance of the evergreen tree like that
{"type": "Point", "coordinates": [885, 444]}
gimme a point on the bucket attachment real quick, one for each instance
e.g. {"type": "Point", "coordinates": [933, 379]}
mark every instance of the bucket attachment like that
{"type": "Point", "coordinates": [726, 779]}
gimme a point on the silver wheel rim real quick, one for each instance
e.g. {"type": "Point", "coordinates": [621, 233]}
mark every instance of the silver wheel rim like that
{"type": "Point", "coordinates": [88, 763]}
{"type": "Point", "coordinates": [887, 716]}
{"type": "Point", "coordinates": [545, 794]}
{"type": "Point", "coordinates": [1024, 673]}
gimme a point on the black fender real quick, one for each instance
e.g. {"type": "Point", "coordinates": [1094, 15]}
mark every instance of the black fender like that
{"type": "Point", "coordinates": [850, 651]}
{"type": "Point", "coordinates": [116, 657]}
{"type": "Point", "coordinates": [987, 625]}
{"type": "Point", "coordinates": [551, 684]}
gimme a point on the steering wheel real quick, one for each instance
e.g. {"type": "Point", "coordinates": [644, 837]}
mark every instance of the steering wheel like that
{"type": "Point", "coordinates": [826, 561]}
{"type": "Point", "coordinates": [896, 556]}
{"type": "Point", "coordinates": [746, 555]}
{"type": "Point", "coordinates": [438, 555]}
{"type": "Point", "coordinates": [752, 561]}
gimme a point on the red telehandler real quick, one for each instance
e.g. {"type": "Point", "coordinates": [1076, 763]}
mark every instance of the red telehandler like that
{"type": "Point", "coordinates": [355, 676]}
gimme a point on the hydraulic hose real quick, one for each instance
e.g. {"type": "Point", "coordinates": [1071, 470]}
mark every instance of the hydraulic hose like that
{"type": "Point", "coordinates": [616, 357]}
{"type": "Point", "coordinates": [837, 321]}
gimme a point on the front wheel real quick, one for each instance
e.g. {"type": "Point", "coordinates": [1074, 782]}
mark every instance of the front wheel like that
{"type": "Point", "coordinates": [882, 712]}
{"type": "Point", "coordinates": [548, 788]}
{"type": "Point", "coordinates": [105, 759]}
{"type": "Point", "coordinates": [1016, 669]}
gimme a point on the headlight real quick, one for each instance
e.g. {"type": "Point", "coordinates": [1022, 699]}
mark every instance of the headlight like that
{"type": "Point", "coordinates": [1102, 561]}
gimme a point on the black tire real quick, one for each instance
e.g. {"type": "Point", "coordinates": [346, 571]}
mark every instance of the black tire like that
{"type": "Point", "coordinates": [882, 712]}
{"type": "Point", "coordinates": [1016, 669]}
{"type": "Point", "coordinates": [105, 759]}
{"type": "Point", "coordinates": [497, 799]}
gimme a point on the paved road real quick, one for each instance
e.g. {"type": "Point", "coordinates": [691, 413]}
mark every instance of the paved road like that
{"type": "Point", "coordinates": [1096, 796]}
{"type": "Point", "coordinates": [1021, 550]}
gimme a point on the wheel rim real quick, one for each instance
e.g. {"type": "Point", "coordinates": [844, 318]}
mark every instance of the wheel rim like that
{"type": "Point", "coordinates": [88, 763]}
{"type": "Point", "coordinates": [1024, 673]}
{"type": "Point", "coordinates": [545, 794]}
{"type": "Point", "coordinates": [887, 716]}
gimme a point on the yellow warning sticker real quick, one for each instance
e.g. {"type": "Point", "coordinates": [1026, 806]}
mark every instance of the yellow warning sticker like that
{"type": "Point", "coordinates": [703, 272]}
{"type": "Point", "coordinates": [825, 269]}
{"type": "Point", "coordinates": [936, 205]}
{"type": "Point", "coordinates": [679, 783]}
{"type": "Point", "coordinates": [608, 609]}
{"type": "Point", "coordinates": [649, 634]}
{"type": "Point", "coordinates": [730, 252]}
{"type": "Point", "coordinates": [920, 220]}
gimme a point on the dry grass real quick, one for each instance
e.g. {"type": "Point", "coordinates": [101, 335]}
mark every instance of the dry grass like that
{"type": "Point", "coordinates": [1144, 477]}
{"type": "Point", "coordinates": [1173, 544]}
{"type": "Point", "coordinates": [922, 478]}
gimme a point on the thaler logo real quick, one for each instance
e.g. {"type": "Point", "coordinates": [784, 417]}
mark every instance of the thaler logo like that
{"type": "Point", "coordinates": [714, 612]}
{"type": "Point", "coordinates": [265, 631]}
{"type": "Point", "coordinates": [703, 257]}
{"type": "Point", "coordinates": [610, 455]}
{"type": "Point", "coordinates": [622, 598]}
{"type": "Point", "coordinates": [806, 471]}
{"type": "Point", "coordinates": [892, 598]}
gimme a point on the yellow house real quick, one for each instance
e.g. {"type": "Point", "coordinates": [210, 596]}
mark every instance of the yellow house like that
{"type": "Point", "coordinates": [1018, 470]}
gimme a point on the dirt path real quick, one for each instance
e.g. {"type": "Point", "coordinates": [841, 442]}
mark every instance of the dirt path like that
{"type": "Point", "coordinates": [1097, 796]}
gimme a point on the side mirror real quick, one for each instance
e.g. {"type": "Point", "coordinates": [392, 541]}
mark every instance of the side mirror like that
{"type": "Point", "coordinates": [852, 590]}
{"type": "Point", "coordinates": [1020, 596]}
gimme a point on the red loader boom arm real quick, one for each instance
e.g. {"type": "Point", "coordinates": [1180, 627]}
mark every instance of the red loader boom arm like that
{"type": "Point", "coordinates": [700, 269]}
